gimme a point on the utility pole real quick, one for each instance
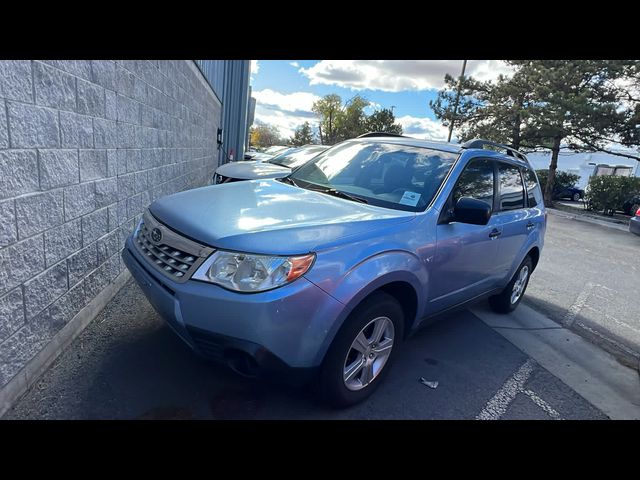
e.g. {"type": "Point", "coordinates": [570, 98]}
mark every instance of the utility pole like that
{"type": "Point", "coordinates": [455, 105]}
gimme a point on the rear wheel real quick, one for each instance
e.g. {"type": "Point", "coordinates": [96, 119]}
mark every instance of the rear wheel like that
{"type": "Point", "coordinates": [362, 352]}
{"type": "Point", "coordinates": [509, 299]}
{"type": "Point", "coordinates": [576, 197]}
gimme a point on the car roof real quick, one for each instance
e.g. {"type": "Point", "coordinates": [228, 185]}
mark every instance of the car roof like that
{"type": "Point", "coordinates": [443, 146]}
{"type": "Point", "coordinates": [412, 142]}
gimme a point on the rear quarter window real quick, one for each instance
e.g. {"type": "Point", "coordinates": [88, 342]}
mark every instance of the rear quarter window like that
{"type": "Point", "coordinates": [534, 194]}
{"type": "Point", "coordinates": [511, 188]}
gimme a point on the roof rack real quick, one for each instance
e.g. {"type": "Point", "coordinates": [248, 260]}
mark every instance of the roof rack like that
{"type": "Point", "coordinates": [379, 134]}
{"type": "Point", "coordinates": [480, 143]}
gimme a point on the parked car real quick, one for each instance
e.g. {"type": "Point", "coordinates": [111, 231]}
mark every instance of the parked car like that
{"type": "Point", "coordinates": [257, 156]}
{"type": "Point", "coordinates": [324, 273]}
{"type": "Point", "coordinates": [277, 166]}
{"type": "Point", "coordinates": [275, 149]}
{"type": "Point", "coordinates": [572, 193]}
{"type": "Point", "coordinates": [634, 223]}
{"type": "Point", "coordinates": [631, 205]}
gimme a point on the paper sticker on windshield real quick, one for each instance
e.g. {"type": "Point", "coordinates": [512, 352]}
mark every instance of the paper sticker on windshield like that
{"type": "Point", "coordinates": [410, 198]}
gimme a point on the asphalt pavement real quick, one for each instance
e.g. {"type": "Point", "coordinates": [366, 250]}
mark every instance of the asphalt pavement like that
{"type": "Point", "coordinates": [127, 364]}
{"type": "Point", "coordinates": [588, 280]}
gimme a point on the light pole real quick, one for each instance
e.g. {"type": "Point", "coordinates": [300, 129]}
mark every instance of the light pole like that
{"type": "Point", "coordinates": [455, 105]}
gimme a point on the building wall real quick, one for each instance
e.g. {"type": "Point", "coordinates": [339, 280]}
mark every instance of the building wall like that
{"type": "Point", "coordinates": [230, 80]}
{"type": "Point", "coordinates": [85, 146]}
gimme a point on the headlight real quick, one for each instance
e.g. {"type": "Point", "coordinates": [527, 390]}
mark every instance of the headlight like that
{"type": "Point", "coordinates": [244, 272]}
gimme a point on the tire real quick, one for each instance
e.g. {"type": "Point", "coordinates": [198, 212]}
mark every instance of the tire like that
{"type": "Point", "coordinates": [576, 197]}
{"type": "Point", "coordinates": [335, 390]}
{"type": "Point", "coordinates": [504, 301]}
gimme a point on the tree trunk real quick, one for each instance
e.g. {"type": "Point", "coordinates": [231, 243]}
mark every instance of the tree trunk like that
{"type": "Point", "coordinates": [515, 133]}
{"type": "Point", "coordinates": [320, 132]}
{"type": "Point", "coordinates": [551, 179]}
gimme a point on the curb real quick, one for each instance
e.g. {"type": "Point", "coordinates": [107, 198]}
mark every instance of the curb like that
{"type": "Point", "coordinates": [32, 371]}
{"type": "Point", "coordinates": [594, 221]}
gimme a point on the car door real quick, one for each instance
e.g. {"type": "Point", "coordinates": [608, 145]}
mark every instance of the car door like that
{"type": "Point", "coordinates": [464, 262]}
{"type": "Point", "coordinates": [511, 216]}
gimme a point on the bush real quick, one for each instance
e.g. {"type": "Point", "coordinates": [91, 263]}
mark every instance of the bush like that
{"type": "Point", "coordinates": [608, 193]}
{"type": "Point", "coordinates": [563, 179]}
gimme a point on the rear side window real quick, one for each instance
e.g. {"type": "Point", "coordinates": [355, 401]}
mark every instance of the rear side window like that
{"type": "Point", "coordinates": [534, 193]}
{"type": "Point", "coordinates": [511, 188]}
{"type": "Point", "coordinates": [476, 181]}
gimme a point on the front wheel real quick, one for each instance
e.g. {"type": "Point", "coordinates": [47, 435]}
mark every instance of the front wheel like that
{"type": "Point", "coordinates": [576, 197]}
{"type": "Point", "coordinates": [362, 352]}
{"type": "Point", "coordinates": [509, 299]}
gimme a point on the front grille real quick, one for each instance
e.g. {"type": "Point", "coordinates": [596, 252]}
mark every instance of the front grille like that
{"type": "Point", "coordinates": [173, 255]}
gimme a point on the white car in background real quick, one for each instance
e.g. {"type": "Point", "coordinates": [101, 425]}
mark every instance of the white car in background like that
{"type": "Point", "coordinates": [276, 167]}
{"type": "Point", "coordinates": [276, 149]}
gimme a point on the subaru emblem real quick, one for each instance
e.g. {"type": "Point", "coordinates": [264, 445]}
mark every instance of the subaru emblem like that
{"type": "Point", "coordinates": [156, 235]}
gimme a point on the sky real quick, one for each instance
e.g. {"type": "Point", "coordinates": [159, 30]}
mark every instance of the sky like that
{"type": "Point", "coordinates": [286, 89]}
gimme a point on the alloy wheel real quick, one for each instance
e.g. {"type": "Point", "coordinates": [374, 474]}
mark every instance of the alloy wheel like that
{"type": "Point", "coordinates": [368, 353]}
{"type": "Point", "coordinates": [520, 284]}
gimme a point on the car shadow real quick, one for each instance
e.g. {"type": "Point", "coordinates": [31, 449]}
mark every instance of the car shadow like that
{"type": "Point", "coordinates": [155, 376]}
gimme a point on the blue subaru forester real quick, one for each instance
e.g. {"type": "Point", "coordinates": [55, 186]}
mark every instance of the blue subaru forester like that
{"type": "Point", "coordinates": [322, 274]}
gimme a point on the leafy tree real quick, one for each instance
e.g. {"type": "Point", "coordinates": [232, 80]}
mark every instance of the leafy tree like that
{"type": "Point", "coordinates": [263, 135]}
{"type": "Point", "coordinates": [302, 135]}
{"type": "Point", "coordinates": [607, 193]}
{"type": "Point", "coordinates": [383, 121]}
{"type": "Point", "coordinates": [575, 102]}
{"type": "Point", "coordinates": [328, 108]}
{"type": "Point", "coordinates": [468, 98]}
{"type": "Point", "coordinates": [547, 104]}
{"type": "Point", "coordinates": [340, 122]}
{"type": "Point", "coordinates": [563, 179]}
{"type": "Point", "coordinates": [352, 120]}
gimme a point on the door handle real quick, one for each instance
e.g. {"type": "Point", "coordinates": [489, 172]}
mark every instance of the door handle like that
{"type": "Point", "coordinates": [530, 225]}
{"type": "Point", "coordinates": [495, 233]}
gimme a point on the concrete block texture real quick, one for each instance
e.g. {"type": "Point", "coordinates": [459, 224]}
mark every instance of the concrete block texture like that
{"type": "Point", "coordinates": [85, 146]}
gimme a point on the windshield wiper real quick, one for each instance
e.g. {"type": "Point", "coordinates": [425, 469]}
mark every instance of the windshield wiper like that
{"type": "Point", "coordinates": [340, 194]}
{"type": "Point", "coordinates": [289, 180]}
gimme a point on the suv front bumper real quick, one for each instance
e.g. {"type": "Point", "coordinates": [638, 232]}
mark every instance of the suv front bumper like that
{"type": "Point", "coordinates": [285, 331]}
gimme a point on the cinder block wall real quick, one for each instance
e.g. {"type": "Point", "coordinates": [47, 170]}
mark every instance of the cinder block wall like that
{"type": "Point", "coordinates": [85, 146]}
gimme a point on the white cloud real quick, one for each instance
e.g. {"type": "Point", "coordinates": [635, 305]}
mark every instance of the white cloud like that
{"type": "Point", "coordinates": [294, 64]}
{"type": "Point", "coordinates": [286, 122]}
{"type": "Point", "coordinates": [290, 102]}
{"type": "Point", "coordinates": [397, 75]}
{"type": "Point", "coordinates": [286, 111]}
{"type": "Point", "coordinates": [422, 127]}
{"type": "Point", "coordinates": [255, 67]}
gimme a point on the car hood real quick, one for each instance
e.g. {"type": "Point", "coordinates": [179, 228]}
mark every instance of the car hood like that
{"type": "Point", "coordinates": [268, 216]}
{"type": "Point", "coordinates": [252, 170]}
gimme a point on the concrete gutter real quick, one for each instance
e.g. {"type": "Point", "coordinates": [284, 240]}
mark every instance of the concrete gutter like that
{"type": "Point", "coordinates": [19, 384]}
{"type": "Point", "coordinates": [581, 217]}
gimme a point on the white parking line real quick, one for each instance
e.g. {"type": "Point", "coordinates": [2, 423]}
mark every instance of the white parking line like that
{"type": "Point", "coordinates": [574, 309]}
{"type": "Point", "coordinates": [542, 404]}
{"type": "Point", "coordinates": [497, 406]}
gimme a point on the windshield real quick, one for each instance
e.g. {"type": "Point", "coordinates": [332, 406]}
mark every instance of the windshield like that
{"type": "Point", "coordinates": [296, 157]}
{"type": "Point", "coordinates": [383, 174]}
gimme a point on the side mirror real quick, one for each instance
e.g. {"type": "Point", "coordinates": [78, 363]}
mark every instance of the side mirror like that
{"type": "Point", "coordinates": [470, 210]}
